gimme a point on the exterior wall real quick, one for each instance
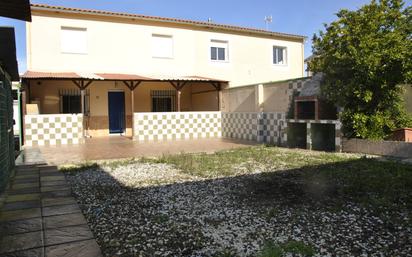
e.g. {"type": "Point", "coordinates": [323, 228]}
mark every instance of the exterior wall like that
{"type": "Point", "coordinates": [172, 126]}
{"type": "Point", "coordinates": [57, 129]}
{"type": "Point", "coordinates": [267, 97]}
{"type": "Point", "coordinates": [194, 97]}
{"type": "Point", "coordinates": [124, 46]}
{"type": "Point", "coordinates": [242, 99]}
{"type": "Point", "coordinates": [385, 148]}
{"type": "Point", "coordinates": [6, 131]}
{"type": "Point", "coordinates": [269, 128]}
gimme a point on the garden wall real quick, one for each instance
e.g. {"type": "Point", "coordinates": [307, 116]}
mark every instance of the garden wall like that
{"type": "Point", "coordinates": [53, 129]}
{"type": "Point", "coordinates": [384, 148]}
{"type": "Point", "coordinates": [152, 126]}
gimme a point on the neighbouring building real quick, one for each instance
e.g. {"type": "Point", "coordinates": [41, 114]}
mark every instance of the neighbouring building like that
{"type": "Point", "coordinates": [96, 73]}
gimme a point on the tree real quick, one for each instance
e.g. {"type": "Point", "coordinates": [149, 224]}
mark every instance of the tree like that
{"type": "Point", "coordinates": [366, 56]}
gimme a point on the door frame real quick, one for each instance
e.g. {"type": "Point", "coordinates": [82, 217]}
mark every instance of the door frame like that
{"type": "Point", "coordinates": [124, 111]}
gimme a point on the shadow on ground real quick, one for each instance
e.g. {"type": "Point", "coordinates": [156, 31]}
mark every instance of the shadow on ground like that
{"type": "Point", "coordinates": [355, 207]}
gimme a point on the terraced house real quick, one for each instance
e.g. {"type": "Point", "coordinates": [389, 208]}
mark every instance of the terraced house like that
{"type": "Point", "coordinates": [96, 73]}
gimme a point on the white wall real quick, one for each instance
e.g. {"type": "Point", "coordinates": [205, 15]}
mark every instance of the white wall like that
{"type": "Point", "coordinates": [124, 46]}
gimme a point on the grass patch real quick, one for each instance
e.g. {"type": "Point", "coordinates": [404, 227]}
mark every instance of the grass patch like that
{"type": "Point", "coordinates": [290, 247]}
{"type": "Point", "coordinates": [244, 160]}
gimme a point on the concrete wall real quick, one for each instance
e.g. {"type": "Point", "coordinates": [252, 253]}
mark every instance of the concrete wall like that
{"type": "Point", "coordinates": [384, 148]}
{"type": "Point", "coordinates": [267, 97]}
{"type": "Point", "coordinates": [116, 45]}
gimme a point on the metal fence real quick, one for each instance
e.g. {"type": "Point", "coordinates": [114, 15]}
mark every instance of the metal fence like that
{"type": "Point", "coordinates": [6, 130]}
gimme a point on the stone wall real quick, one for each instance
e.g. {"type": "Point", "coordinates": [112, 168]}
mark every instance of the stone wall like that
{"type": "Point", "coordinates": [53, 129]}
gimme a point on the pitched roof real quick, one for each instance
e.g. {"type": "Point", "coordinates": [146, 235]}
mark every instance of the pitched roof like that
{"type": "Point", "coordinates": [112, 76]}
{"type": "Point", "coordinates": [208, 25]}
{"type": "Point", "coordinates": [16, 9]}
{"type": "Point", "coordinates": [8, 59]}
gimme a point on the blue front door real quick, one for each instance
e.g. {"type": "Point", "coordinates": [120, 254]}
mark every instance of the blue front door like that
{"type": "Point", "coordinates": [116, 112]}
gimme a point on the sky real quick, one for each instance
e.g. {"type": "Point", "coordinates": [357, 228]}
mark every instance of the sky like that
{"type": "Point", "coordinates": [302, 17]}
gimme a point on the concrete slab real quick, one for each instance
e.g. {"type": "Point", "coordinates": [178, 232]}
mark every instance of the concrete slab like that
{"type": "Point", "coordinates": [21, 205]}
{"type": "Point", "coordinates": [123, 147]}
{"type": "Point", "coordinates": [22, 197]}
{"type": "Point", "coordinates": [67, 235]}
{"type": "Point", "coordinates": [57, 201]}
{"type": "Point", "coordinates": [87, 248]}
{"type": "Point", "coordinates": [64, 220]}
{"type": "Point", "coordinates": [19, 242]}
{"type": "Point", "coordinates": [37, 252]}
{"type": "Point", "coordinates": [21, 226]}
{"type": "Point", "coordinates": [60, 210]}
{"type": "Point", "coordinates": [20, 214]}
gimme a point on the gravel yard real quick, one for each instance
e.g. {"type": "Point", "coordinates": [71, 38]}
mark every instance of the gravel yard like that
{"type": "Point", "coordinates": [257, 201]}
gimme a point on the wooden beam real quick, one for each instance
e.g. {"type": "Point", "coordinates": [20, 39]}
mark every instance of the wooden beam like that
{"type": "Point", "coordinates": [132, 84]}
{"type": "Point", "coordinates": [82, 84]}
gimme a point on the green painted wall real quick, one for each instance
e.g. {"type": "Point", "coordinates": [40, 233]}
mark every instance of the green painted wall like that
{"type": "Point", "coordinates": [6, 131]}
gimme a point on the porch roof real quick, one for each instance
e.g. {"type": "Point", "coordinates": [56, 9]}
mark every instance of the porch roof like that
{"type": "Point", "coordinates": [113, 77]}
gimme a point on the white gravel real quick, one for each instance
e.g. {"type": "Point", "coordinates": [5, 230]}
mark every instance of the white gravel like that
{"type": "Point", "coordinates": [146, 209]}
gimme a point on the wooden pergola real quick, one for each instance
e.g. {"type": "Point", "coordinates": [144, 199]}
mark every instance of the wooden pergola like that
{"type": "Point", "coordinates": [130, 81]}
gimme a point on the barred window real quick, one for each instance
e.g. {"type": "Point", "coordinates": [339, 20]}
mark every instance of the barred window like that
{"type": "Point", "coordinates": [70, 101]}
{"type": "Point", "coordinates": [163, 100]}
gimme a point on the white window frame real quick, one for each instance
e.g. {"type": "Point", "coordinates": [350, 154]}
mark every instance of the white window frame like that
{"type": "Point", "coordinates": [66, 50]}
{"type": "Point", "coordinates": [285, 55]}
{"type": "Point", "coordinates": [218, 43]}
{"type": "Point", "coordinates": [158, 56]}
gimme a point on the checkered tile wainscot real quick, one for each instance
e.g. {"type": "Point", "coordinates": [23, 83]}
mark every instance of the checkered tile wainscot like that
{"type": "Point", "coordinates": [263, 127]}
{"type": "Point", "coordinates": [59, 129]}
{"type": "Point", "coordinates": [240, 125]}
{"type": "Point", "coordinates": [172, 126]}
{"type": "Point", "coordinates": [272, 128]}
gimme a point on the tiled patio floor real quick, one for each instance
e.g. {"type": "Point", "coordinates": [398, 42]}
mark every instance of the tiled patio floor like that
{"type": "Point", "coordinates": [40, 218]}
{"type": "Point", "coordinates": [121, 147]}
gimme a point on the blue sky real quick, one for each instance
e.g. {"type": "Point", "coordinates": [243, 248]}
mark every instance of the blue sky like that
{"type": "Point", "coordinates": [303, 17]}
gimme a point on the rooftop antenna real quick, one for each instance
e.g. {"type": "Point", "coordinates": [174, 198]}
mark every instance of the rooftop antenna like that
{"type": "Point", "coordinates": [268, 19]}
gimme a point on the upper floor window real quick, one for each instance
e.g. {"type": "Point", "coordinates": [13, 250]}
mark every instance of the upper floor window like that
{"type": "Point", "coordinates": [279, 55]}
{"type": "Point", "coordinates": [219, 50]}
{"type": "Point", "coordinates": [162, 46]}
{"type": "Point", "coordinates": [73, 40]}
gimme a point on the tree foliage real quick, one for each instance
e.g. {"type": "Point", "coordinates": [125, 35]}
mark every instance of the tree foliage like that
{"type": "Point", "coordinates": [366, 56]}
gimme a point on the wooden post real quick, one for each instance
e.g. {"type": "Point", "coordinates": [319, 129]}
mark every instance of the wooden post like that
{"type": "Point", "coordinates": [24, 112]}
{"type": "Point", "coordinates": [132, 85]}
{"type": "Point", "coordinates": [82, 93]}
{"type": "Point", "coordinates": [132, 96]}
{"type": "Point", "coordinates": [179, 92]}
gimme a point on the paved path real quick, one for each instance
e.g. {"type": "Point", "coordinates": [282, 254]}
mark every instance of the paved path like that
{"type": "Point", "coordinates": [40, 218]}
{"type": "Point", "coordinates": [117, 147]}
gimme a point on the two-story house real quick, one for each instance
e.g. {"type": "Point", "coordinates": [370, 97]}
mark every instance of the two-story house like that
{"type": "Point", "coordinates": [107, 67]}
